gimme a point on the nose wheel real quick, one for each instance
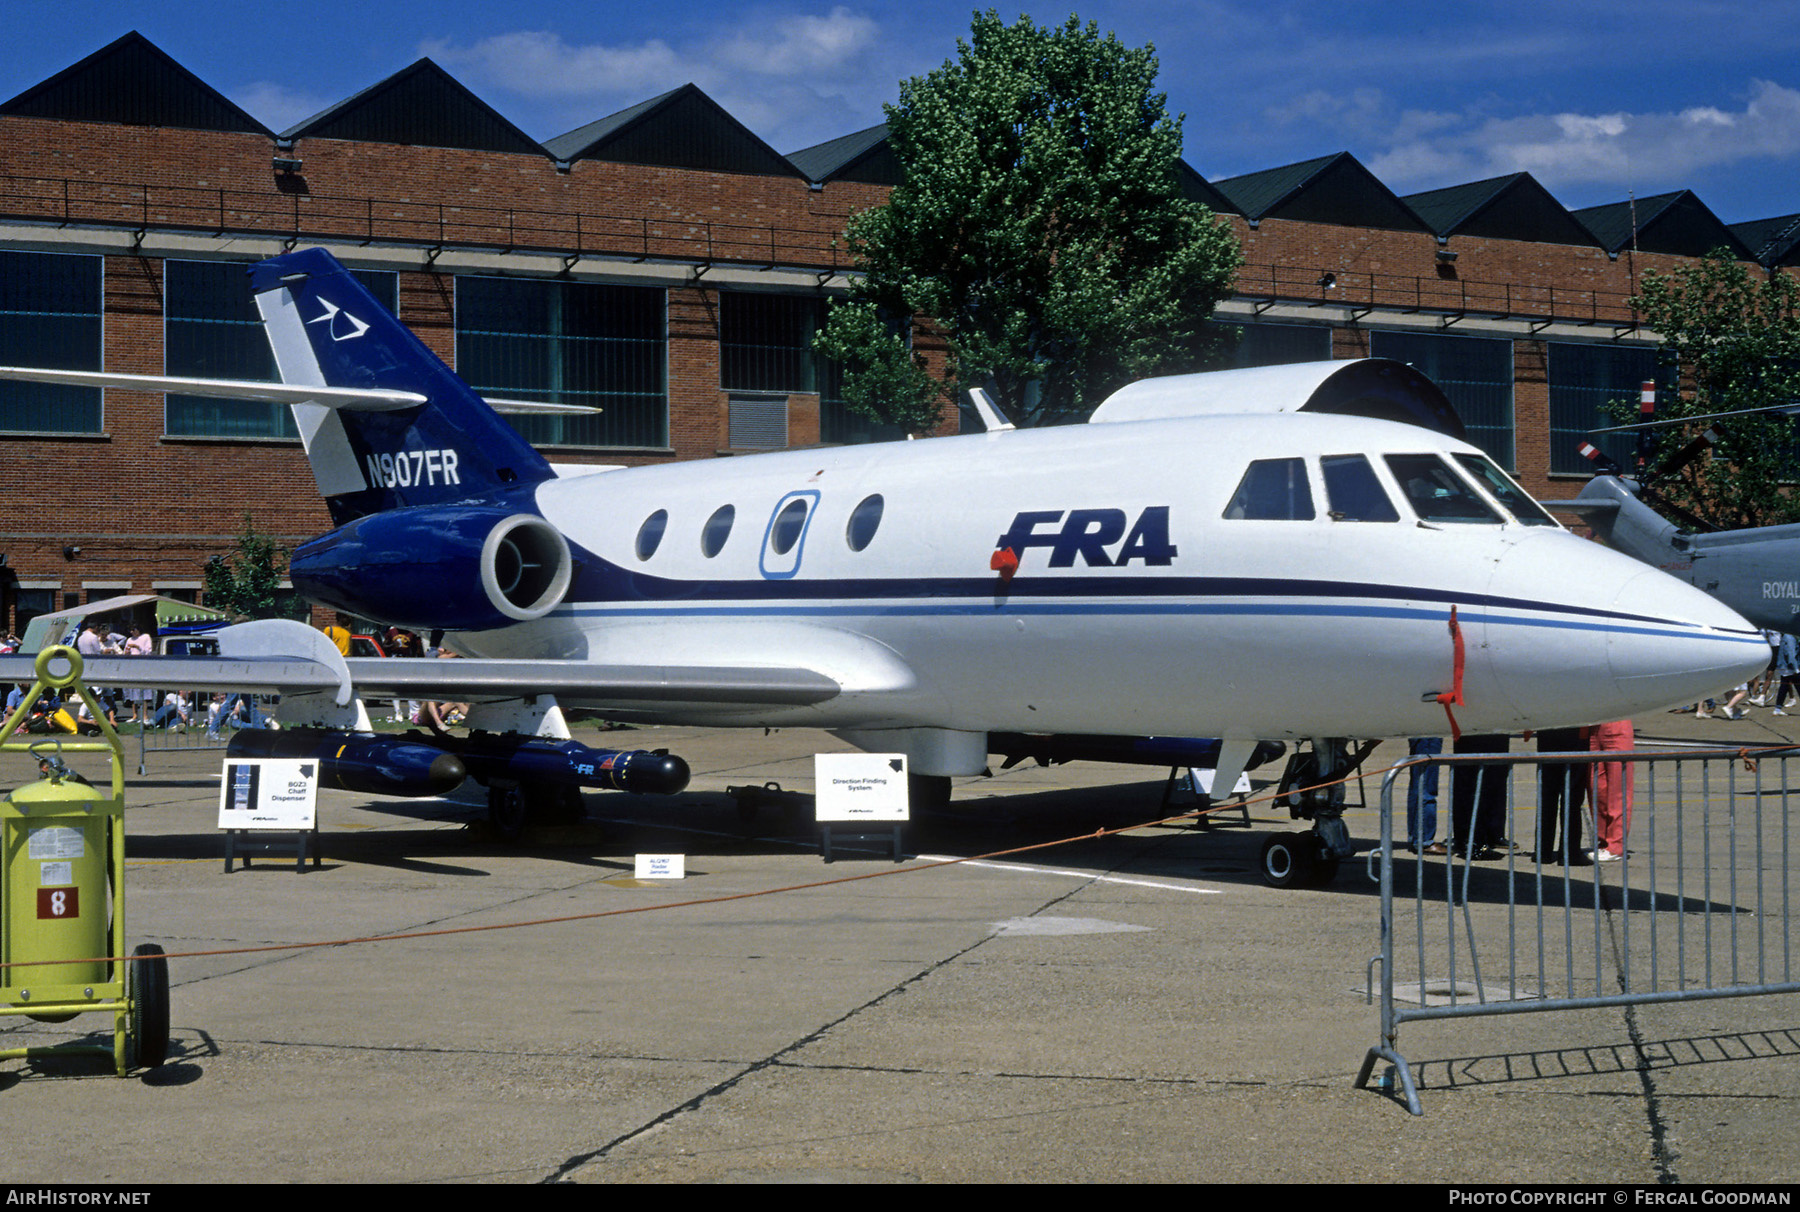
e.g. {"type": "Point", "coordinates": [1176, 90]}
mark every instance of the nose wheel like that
{"type": "Point", "coordinates": [1297, 860]}
{"type": "Point", "coordinates": [1312, 788]}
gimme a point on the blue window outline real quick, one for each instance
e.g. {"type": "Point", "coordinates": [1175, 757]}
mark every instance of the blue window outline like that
{"type": "Point", "coordinates": [785, 570]}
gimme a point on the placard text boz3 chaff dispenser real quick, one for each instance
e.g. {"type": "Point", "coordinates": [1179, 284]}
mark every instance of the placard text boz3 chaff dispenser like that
{"type": "Point", "coordinates": [62, 891]}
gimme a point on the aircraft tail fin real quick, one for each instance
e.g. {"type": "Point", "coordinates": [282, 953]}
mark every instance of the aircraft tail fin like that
{"type": "Point", "coordinates": [327, 330]}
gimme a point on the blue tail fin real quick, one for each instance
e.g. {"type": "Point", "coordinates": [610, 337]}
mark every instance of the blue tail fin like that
{"type": "Point", "coordinates": [327, 330]}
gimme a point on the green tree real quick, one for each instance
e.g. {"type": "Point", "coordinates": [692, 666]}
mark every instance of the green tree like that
{"type": "Point", "coordinates": [1732, 333]}
{"type": "Point", "coordinates": [1040, 228]}
{"type": "Point", "coordinates": [248, 581]}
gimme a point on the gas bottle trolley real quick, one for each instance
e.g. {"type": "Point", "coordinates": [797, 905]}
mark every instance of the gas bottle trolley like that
{"type": "Point", "coordinates": [62, 891]}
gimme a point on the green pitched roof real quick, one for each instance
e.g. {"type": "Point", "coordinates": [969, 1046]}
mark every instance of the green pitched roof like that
{"type": "Point", "coordinates": [1195, 188]}
{"type": "Point", "coordinates": [864, 156]}
{"type": "Point", "coordinates": [1774, 241]}
{"type": "Point", "coordinates": [131, 82]}
{"type": "Point", "coordinates": [1677, 223]}
{"type": "Point", "coordinates": [683, 128]}
{"type": "Point", "coordinates": [1513, 207]}
{"type": "Point", "coordinates": [421, 105]}
{"type": "Point", "coordinates": [1331, 189]}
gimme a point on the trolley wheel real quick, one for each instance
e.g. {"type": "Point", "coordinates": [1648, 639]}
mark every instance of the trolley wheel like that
{"type": "Point", "coordinates": [1289, 860]}
{"type": "Point", "coordinates": [507, 812]}
{"type": "Point", "coordinates": [148, 982]}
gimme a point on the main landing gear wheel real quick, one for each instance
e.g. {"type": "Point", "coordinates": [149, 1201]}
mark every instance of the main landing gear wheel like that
{"type": "Point", "coordinates": [1289, 860]}
{"type": "Point", "coordinates": [148, 983]}
{"type": "Point", "coordinates": [561, 803]}
{"type": "Point", "coordinates": [507, 812]}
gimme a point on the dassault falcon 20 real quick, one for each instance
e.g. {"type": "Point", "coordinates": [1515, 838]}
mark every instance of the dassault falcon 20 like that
{"type": "Point", "coordinates": [1308, 551]}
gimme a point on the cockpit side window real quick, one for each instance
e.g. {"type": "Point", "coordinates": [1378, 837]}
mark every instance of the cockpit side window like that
{"type": "Point", "coordinates": [1505, 491]}
{"type": "Point", "coordinates": [1273, 490]}
{"type": "Point", "coordinates": [1436, 493]}
{"type": "Point", "coordinates": [1352, 492]}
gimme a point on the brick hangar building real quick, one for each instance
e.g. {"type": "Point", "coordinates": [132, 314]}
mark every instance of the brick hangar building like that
{"type": "Point", "coordinates": [668, 267]}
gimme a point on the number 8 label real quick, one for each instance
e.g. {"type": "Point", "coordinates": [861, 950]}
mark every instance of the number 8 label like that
{"type": "Point", "coordinates": [55, 903]}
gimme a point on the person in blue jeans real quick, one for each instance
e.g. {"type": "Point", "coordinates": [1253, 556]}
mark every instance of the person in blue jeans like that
{"type": "Point", "coordinates": [1421, 797]}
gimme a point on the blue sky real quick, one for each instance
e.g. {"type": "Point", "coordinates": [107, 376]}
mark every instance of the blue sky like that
{"type": "Point", "coordinates": [1595, 99]}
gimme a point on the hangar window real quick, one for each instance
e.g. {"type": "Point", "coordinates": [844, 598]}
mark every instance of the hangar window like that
{"type": "Point", "coordinates": [865, 519]}
{"type": "Point", "coordinates": [1352, 490]}
{"type": "Point", "coordinates": [717, 530]}
{"type": "Point", "coordinates": [1584, 380]}
{"type": "Point", "coordinates": [765, 342]}
{"type": "Point", "coordinates": [1436, 493]}
{"type": "Point", "coordinates": [212, 330]}
{"type": "Point", "coordinates": [785, 531]}
{"type": "Point", "coordinates": [1273, 490]}
{"type": "Point", "coordinates": [592, 344]}
{"type": "Point", "coordinates": [50, 317]}
{"type": "Point", "coordinates": [650, 534]}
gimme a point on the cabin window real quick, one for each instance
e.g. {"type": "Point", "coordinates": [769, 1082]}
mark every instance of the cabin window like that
{"type": "Point", "coordinates": [1353, 493]}
{"type": "Point", "coordinates": [717, 530]}
{"type": "Point", "coordinates": [1436, 493]}
{"type": "Point", "coordinates": [1273, 490]}
{"type": "Point", "coordinates": [650, 534]}
{"type": "Point", "coordinates": [1505, 491]}
{"type": "Point", "coordinates": [864, 520]}
{"type": "Point", "coordinates": [785, 531]}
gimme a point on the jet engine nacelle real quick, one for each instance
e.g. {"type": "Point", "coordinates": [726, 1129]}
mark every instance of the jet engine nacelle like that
{"type": "Point", "coordinates": [458, 567]}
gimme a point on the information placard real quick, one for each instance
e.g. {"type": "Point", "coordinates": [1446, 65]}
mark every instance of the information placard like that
{"type": "Point", "coordinates": [860, 787]}
{"type": "Point", "coordinates": [269, 793]}
{"type": "Point", "coordinates": [660, 867]}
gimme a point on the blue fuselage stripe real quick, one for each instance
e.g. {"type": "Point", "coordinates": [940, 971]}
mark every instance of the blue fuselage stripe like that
{"type": "Point", "coordinates": [1620, 624]}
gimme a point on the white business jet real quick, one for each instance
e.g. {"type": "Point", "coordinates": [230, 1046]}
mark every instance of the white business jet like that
{"type": "Point", "coordinates": [1308, 551]}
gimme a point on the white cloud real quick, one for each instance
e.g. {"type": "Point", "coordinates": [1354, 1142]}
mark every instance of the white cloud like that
{"type": "Point", "coordinates": [538, 63]}
{"type": "Point", "coordinates": [278, 107]}
{"type": "Point", "coordinates": [794, 79]}
{"type": "Point", "coordinates": [1625, 150]}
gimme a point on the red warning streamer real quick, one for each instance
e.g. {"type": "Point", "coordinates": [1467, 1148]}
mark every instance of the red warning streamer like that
{"type": "Point", "coordinates": [1455, 696]}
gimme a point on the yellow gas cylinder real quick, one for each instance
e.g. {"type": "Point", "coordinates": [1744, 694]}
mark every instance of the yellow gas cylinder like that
{"type": "Point", "coordinates": [55, 839]}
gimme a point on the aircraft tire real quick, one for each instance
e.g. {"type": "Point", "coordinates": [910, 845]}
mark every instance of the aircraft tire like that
{"type": "Point", "coordinates": [507, 812]}
{"type": "Point", "coordinates": [1325, 869]}
{"type": "Point", "coordinates": [1288, 860]}
{"type": "Point", "coordinates": [148, 1033]}
{"type": "Point", "coordinates": [559, 803]}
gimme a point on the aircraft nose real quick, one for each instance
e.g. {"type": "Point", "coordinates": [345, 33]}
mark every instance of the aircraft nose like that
{"type": "Point", "coordinates": [1591, 635]}
{"type": "Point", "coordinates": [1674, 644]}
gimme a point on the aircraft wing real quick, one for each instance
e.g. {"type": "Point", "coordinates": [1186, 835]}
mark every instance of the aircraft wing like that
{"type": "Point", "coordinates": [464, 680]}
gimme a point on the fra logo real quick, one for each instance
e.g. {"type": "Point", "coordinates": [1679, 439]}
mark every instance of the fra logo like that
{"type": "Point", "coordinates": [1097, 536]}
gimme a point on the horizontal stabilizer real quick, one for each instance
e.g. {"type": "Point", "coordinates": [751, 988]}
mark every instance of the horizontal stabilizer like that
{"type": "Point", "coordinates": [365, 399]}
{"type": "Point", "coordinates": [534, 408]}
{"type": "Point", "coordinates": [1582, 507]}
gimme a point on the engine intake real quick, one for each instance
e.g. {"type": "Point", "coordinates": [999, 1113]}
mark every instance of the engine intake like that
{"type": "Point", "coordinates": [458, 567]}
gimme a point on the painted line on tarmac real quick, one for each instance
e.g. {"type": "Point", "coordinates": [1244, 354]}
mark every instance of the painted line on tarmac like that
{"type": "Point", "coordinates": [1028, 869]}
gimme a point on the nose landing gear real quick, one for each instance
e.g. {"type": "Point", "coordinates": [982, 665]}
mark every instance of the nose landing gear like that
{"type": "Point", "coordinates": [1312, 788]}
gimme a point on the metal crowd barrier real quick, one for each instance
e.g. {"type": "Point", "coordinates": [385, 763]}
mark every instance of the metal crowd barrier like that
{"type": "Point", "coordinates": [1699, 906]}
{"type": "Point", "coordinates": [193, 736]}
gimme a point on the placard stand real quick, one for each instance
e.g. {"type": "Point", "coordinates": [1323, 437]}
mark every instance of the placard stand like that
{"type": "Point", "coordinates": [274, 801]}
